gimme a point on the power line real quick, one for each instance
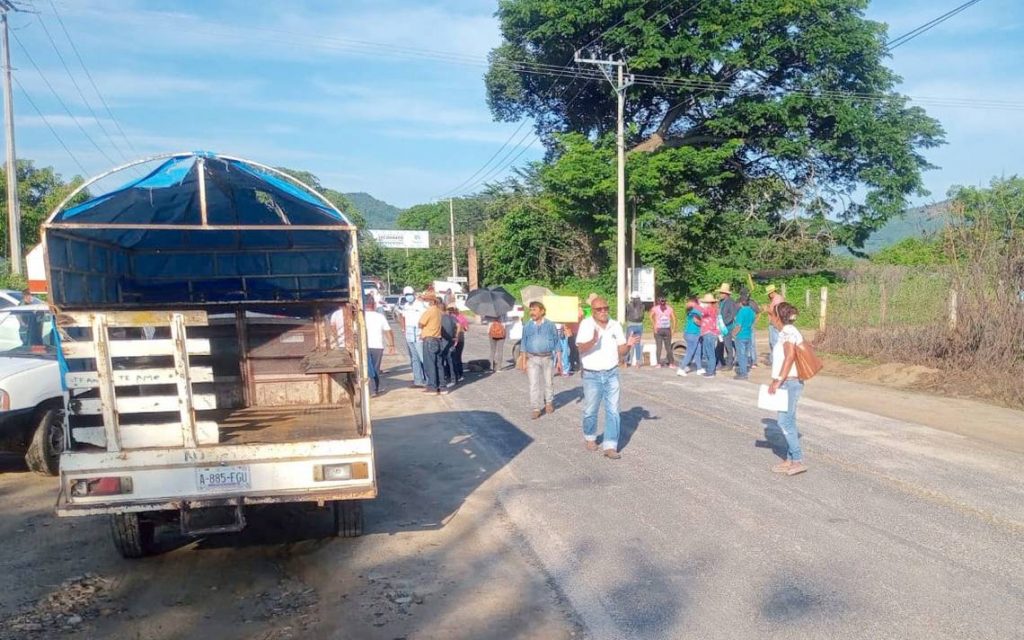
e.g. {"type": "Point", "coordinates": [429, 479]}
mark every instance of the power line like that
{"type": "Point", "coordinates": [50, 127]}
{"type": "Point", "coordinates": [928, 26]}
{"type": "Point", "coordinates": [61, 100]}
{"type": "Point", "coordinates": [78, 88]}
{"type": "Point", "coordinates": [92, 82]}
{"type": "Point", "coordinates": [500, 167]}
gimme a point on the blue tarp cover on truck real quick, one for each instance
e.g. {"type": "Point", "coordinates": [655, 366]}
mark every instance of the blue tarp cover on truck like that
{"type": "Point", "coordinates": [263, 238]}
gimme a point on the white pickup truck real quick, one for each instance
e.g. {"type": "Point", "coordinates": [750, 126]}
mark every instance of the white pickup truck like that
{"type": "Point", "coordinates": [209, 377]}
{"type": "Point", "coordinates": [31, 396]}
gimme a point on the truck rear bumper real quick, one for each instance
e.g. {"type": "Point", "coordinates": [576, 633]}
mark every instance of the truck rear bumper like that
{"type": "Point", "coordinates": [168, 479]}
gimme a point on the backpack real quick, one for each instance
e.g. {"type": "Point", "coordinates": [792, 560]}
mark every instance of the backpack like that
{"type": "Point", "coordinates": [448, 327]}
{"type": "Point", "coordinates": [496, 331]}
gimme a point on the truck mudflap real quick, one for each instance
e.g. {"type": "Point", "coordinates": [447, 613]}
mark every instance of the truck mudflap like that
{"type": "Point", "coordinates": [176, 479]}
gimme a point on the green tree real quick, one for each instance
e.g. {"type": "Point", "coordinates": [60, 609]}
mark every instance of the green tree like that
{"type": "Point", "coordinates": [793, 91]}
{"type": "Point", "coordinates": [40, 190]}
{"type": "Point", "coordinates": [912, 252]}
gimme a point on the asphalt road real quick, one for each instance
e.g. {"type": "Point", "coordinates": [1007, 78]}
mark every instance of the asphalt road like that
{"type": "Point", "coordinates": [897, 531]}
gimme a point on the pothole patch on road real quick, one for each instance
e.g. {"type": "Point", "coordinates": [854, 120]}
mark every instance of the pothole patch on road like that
{"type": "Point", "coordinates": [66, 609]}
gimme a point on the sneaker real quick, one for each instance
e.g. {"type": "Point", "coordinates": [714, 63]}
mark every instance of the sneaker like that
{"type": "Point", "coordinates": [796, 468]}
{"type": "Point", "coordinates": [782, 467]}
{"type": "Point", "coordinates": [591, 445]}
{"type": "Point", "coordinates": [449, 385]}
{"type": "Point", "coordinates": [700, 372]}
{"type": "Point", "coordinates": [612, 454]}
{"type": "Point", "coordinates": [681, 372]}
{"type": "Point", "coordinates": [709, 375]}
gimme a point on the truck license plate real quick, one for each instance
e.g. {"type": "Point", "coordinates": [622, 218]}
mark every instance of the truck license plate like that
{"type": "Point", "coordinates": [215, 478]}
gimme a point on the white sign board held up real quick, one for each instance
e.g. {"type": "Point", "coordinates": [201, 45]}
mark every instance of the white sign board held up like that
{"type": "Point", "coordinates": [401, 238]}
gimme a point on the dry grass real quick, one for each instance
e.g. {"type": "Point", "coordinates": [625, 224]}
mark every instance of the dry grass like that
{"type": "Point", "coordinates": [901, 314]}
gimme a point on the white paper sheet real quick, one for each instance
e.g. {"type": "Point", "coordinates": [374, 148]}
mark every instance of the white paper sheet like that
{"type": "Point", "coordinates": [769, 402]}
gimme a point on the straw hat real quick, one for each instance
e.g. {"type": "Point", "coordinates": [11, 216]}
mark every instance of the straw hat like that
{"type": "Point", "coordinates": [708, 299]}
{"type": "Point", "coordinates": [770, 289]}
{"type": "Point", "coordinates": [725, 288]}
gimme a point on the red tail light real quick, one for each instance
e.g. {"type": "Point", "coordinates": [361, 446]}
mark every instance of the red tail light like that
{"type": "Point", "coordinates": [113, 486]}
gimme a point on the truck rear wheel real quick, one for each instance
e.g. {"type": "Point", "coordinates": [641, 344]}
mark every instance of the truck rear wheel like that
{"type": "Point", "coordinates": [132, 534]}
{"type": "Point", "coordinates": [348, 518]}
{"type": "Point", "coordinates": [47, 443]}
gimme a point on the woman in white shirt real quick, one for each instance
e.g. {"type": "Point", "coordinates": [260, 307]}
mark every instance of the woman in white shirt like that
{"type": "Point", "coordinates": [784, 376]}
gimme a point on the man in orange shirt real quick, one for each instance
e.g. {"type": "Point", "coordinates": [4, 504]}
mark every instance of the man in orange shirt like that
{"type": "Point", "coordinates": [430, 334]}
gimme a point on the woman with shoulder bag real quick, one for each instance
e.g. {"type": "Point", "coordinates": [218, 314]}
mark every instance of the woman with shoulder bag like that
{"type": "Point", "coordinates": [785, 376]}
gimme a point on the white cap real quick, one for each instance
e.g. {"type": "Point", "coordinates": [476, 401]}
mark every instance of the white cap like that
{"type": "Point", "coordinates": [408, 290]}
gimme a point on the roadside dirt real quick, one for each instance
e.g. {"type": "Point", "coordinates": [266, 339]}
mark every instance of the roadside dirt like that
{"type": "Point", "coordinates": [439, 558]}
{"type": "Point", "coordinates": [905, 392]}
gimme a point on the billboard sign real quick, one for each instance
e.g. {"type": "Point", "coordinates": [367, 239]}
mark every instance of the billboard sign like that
{"type": "Point", "coordinates": [401, 238]}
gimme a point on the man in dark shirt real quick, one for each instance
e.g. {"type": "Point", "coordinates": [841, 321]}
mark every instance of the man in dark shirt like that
{"type": "Point", "coordinates": [727, 308]}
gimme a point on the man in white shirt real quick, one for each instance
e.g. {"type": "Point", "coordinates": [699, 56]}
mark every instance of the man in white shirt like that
{"type": "Point", "coordinates": [409, 320]}
{"type": "Point", "coordinates": [377, 332]}
{"type": "Point", "coordinates": [602, 344]}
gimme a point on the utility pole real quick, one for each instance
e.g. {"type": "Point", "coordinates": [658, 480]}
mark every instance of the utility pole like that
{"type": "Point", "coordinates": [451, 228]}
{"type": "Point", "coordinates": [619, 83]}
{"type": "Point", "coordinates": [13, 206]}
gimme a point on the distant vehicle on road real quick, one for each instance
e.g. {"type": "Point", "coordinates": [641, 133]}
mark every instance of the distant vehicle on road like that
{"type": "Point", "coordinates": [31, 396]}
{"type": "Point", "coordinates": [390, 306]}
{"type": "Point", "coordinates": [13, 297]}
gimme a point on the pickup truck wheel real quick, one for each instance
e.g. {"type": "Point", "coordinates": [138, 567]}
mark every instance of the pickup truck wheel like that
{"type": "Point", "coordinates": [348, 518]}
{"type": "Point", "coordinates": [44, 451]}
{"type": "Point", "coordinates": [132, 534]}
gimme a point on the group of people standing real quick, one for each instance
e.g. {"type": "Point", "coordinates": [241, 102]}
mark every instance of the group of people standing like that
{"type": "Point", "coordinates": [434, 330]}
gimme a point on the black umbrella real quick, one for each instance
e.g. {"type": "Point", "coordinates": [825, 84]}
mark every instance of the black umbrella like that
{"type": "Point", "coordinates": [492, 302]}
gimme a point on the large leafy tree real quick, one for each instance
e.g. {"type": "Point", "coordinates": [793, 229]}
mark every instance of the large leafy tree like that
{"type": "Point", "coordinates": [40, 190]}
{"type": "Point", "coordinates": [795, 91]}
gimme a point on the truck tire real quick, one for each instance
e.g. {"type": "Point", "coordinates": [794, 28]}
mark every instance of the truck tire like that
{"type": "Point", "coordinates": [348, 518]}
{"type": "Point", "coordinates": [47, 443]}
{"type": "Point", "coordinates": [132, 534]}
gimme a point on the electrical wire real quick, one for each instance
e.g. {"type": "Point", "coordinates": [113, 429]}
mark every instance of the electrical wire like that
{"type": "Point", "coordinates": [49, 126]}
{"type": "Point", "coordinates": [78, 88]}
{"type": "Point", "coordinates": [92, 82]}
{"type": "Point", "coordinates": [928, 26]}
{"type": "Point", "coordinates": [56, 95]}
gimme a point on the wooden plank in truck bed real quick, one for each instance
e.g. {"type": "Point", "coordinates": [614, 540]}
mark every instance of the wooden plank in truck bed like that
{"type": "Point", "coordinates": [131, 318]}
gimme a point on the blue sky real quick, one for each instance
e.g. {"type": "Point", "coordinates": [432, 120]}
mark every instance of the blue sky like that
{"type": "Point", "coordinates": [282, 83]}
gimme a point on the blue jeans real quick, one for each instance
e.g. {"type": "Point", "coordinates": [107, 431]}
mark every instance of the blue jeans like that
{"type": "Point", "coordinates": [563, 344]}
{"type": "Point", "coordinates": [773, 337]}
{"type": "Point", "coordinates": [432, 362]}
{"type": "Point", "coordinates": [416, 361]}
{"type": "Point", "coordinates": [692, 351]}
{"type": "Point", "coordinates": [787, 419]}
{"type": "Point", "coordinates": [709, 342]}
{"type": "Point", "coordinates": [743, 356]}
{"type": "Point", "coordinates": [601, 386]}
{"type": "Point", "coordinates": [753, 347]}
{"type": "Point", "coordinates": [637, 329]}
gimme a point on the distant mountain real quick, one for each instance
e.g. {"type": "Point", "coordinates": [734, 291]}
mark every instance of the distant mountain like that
{"type": "Point", "coordinates": [917, 223]}
{"type": "Point", "coordinates": [378, 214]}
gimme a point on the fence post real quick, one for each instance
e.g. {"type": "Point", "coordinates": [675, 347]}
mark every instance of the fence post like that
{"type": "Point", "coordinates": [807, 298]}
{"type": "Point", "coordinates": [883, 306]}
{"type": "Point", "coordinates": [783, 289]}
{"type": "Point", "coordinates": [952, 310]}
{"type": "Point", "coordinates": [824, 309]}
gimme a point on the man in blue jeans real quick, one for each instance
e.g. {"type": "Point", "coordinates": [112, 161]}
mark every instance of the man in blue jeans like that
{"type": "Point", "coordinates": [602, 344]}
{"type": "Point", "coordinates": [409, 320]}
